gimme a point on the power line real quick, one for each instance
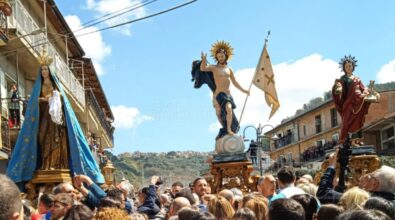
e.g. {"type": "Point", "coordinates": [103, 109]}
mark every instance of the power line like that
{"type": "Point", "coordinates": [120, 12]}
{"type": "Point", "coordinates": [45, 41]}
{"type": "Point", "coordinates": [139, 19]}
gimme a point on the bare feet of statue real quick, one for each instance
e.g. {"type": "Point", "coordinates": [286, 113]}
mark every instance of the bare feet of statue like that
{"type": "Point", "coordinates": [231, 133]}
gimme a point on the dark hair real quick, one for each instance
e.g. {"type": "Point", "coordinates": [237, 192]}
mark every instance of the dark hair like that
{"type": "Point", "coordinates": [109, 202]}
{"type": "Point", "coordinates": [286, 175]}
{"type": "Point", "coordinates": [288, 209]}
{"type": "Point", "coordinates": [309, 204]}
{"type": "Point", "coordinates": [381, 204]}
{"type": "Point", "coordinates": [187, 214]}
{"type": "Point", "coordinates": [144, 190]}
{"type": "Point", "coordinates": [244, 214]}
{"type": "Point", "coordinates": [177, 184]}
{"type": "Point", "coordinates": [115, 194]}
{"type": "Point", "coordinates": [197, 179]}
{"type": "Point", "coordinates": [50, 76]}
{"type": "Point", "coordinates": [206, 216]}
{"type": "Point", "coordinates": [78, 212]}
{"type": "Point", "coordinates": [329, 212]}
{"type": "Point", "coordinates": [10, 201]}
{"type": "Point", "coordinates": [47, 200]}
{"type": "Point", "coordinates": [186, 193]}
{"type": "Point", "coordinates": [371, 214]}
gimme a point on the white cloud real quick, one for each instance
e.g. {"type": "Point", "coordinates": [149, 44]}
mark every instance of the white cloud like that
{"type": "Point", "coordinates": [387, 73]}
{"type": "Point", "coordinates": [128, 117]}
{"type": "Point", "coordinates": [93, 44]}
{"type": "Point", "coordinates": [103, 7]}
{"type": "Point", "coordinates": [296, 83]}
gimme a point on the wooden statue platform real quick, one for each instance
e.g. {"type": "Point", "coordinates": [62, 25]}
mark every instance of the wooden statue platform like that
{"type": "Point", "coordinates": [52, 176]}
{"type": "Point", "coordinates": [232, 174]}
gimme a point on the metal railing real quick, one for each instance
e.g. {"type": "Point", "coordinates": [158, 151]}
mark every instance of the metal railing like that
{"type": "Point", "coordinates": [92, 101]}
{"type": "Point", "coordinates": [25, 24]}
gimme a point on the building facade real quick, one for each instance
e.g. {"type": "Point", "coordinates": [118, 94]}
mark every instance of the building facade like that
{"type": "Point", "coordinates": [308, 136]}
{"type": "Point", "coordinates": [32, 26]}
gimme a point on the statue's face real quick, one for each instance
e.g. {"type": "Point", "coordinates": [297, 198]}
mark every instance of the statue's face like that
{"type": "Point", "coordinates": [348, 68]}
{"type": "Point", "coordinates": [221, 57]}
{"type": "Point", "coordinates": [44, 71]}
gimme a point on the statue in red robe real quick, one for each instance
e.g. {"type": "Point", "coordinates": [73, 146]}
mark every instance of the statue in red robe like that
{"type": "Point", "coordinates": [350, 97]}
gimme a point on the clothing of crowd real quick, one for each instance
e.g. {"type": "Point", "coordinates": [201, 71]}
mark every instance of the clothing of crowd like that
{"type": "Point", "coordinates": [282, 197]}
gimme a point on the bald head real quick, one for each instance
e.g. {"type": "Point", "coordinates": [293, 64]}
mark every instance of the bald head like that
{"type": "Point", "coordinates": [228, 195]}
{"type": "Point", "coordinates": [179, 203]}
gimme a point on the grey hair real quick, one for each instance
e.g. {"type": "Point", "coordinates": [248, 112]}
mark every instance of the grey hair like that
{"type": "Point", "coordinates": [386, 177]}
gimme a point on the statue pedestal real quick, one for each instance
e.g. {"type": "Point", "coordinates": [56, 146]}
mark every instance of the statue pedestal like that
{"type": "Point", "coordinates": [232, 174]}
{"type": "Point", "coordinates": [51, 176]}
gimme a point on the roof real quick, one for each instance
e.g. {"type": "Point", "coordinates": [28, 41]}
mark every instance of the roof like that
{"type": "Point", "coordinates": [57, 20]}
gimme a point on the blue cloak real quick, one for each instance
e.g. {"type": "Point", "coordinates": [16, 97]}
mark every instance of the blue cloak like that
{"type": "Point", "coordinates": [25, 156]}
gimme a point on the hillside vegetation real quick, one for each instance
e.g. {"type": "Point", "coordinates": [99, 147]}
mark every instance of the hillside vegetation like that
{"type": "Point", "coordinates": [173, 166]}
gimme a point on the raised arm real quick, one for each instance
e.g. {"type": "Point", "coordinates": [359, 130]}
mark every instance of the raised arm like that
{"type": "Point", "coordinates": [233, 79]}
{"type": "Point", "coordinates": [203, 65]}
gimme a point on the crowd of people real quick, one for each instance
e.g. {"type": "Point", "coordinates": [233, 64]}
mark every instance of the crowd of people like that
{"type": "Point", "coordinates": [315, 152]}
{"type": "Point", "coordinates": [282, 197]}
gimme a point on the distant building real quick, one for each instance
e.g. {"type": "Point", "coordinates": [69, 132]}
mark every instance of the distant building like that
{"type": "Point", "coordinates": [309, 135]}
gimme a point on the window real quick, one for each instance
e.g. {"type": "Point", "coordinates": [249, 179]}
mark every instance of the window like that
{"type": "Point", "coordinates": [388, 138]}
{"type": "Point", "coordinates": [318, 124]}
{"type": "Point", "coordinates": [304, 130]}
{"type": "Point", "coordinates": [334, 117]}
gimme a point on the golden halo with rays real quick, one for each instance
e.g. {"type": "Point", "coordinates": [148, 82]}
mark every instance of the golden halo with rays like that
{"type": "Point", "coordinates": [44, 59]}
{"type": "Point", "coordinates": [224, 46]}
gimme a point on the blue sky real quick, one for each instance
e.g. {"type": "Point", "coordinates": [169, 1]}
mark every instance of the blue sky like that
{"type": "Point", "coordinates": [145, 67]}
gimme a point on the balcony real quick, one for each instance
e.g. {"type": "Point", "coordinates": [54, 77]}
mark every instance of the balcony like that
{"type": "Point", "coordinates": [284, 141]}
{"type": "Point", "coordinates": [24, 24]}
{"type": "Point", "coordinates": [92, 101]}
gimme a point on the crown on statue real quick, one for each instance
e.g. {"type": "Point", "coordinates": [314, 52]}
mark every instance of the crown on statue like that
{"type": "Point", "coordinates": [44, 59]}
{"type": "Point", "coordinates": [221, 46]}
{"type": "Point", "coordinates": [348, 59]}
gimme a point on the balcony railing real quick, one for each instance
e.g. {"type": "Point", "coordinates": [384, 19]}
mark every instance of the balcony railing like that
{"type": "Point", "coordinates": [92, 101]}
{"type": "Point", "coordinates": [25, 24]}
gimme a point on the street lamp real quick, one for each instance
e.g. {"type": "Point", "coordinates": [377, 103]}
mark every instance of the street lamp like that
{"type": "Point", "coordinates": [258, 140]}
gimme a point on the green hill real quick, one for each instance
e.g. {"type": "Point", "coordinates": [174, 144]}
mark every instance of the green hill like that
{"type": "Point", "coordinates": [173, 166]}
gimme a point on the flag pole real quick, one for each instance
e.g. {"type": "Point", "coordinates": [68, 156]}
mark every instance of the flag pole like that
{"type": "Point", "coordinates": [257, 66]}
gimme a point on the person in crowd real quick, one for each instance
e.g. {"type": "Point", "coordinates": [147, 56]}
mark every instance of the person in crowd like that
{"type": "Point", "coordinates": [220, 208]}
{"type": "Point", "coordinates": [286, 180]}
{"type": "Point", "coordinates": [238, 197]}
{"type": "Point", "coordinates": [79, 212]}
{"type": "Point", "coordinates": [309, 204]}
{"type": "Point", "coordinates": [364, 215]}
{"type": "Point", "coordinates": [267, 186]}
{"type": "Point", "coordinates": [286, 209]}
{"type": "Point", "coordinates": [110, 214]}
{"type": "Point", "coordinates": [309, 188]}
{"type": "Point", "coordinates": [329, 212]}
{"type": "Point", "coordinates": [45, 204]}
{"type": "Point", "coordinates": [326, 193]}
{"type": "Point", "coordinates": [188, 213]}
{"type": "Point", "coordinates": [354, 198]}
{"type": "Point", "coordinates": [138, 216]}
{"type": "Point", "coordinates": [380, 182]}
{"type": "Point", "coordinates": [244, 214]}
{"type": "Point", "coordinates": [14, 106]}
{"type": "Point", "coordinates": [259, 208]}
{"type": "Point", "coordinates": [176, 206]}
{"type": "Point", "coordinates": [91, 191]}
{"type": "Point", "coordinates": [62, 203]}
{"type": "Point", "coordinates": [175, 188]}
{"type": "Point", "coordinates": [381, 204]}
{"type": "Point", "coordinates": [10, 202]}
{"type": "Point", "coordinates": [200, 188]}
{"type": "Point", "coordinates": [228, 195]}
{"type": "Point", "coordinates": [187, 193]}
{"type": "Point", "coordinates": [147, 199]}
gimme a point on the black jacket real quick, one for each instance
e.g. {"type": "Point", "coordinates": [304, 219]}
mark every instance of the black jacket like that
{"type": "Point", "coordinates": [325, 193]}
